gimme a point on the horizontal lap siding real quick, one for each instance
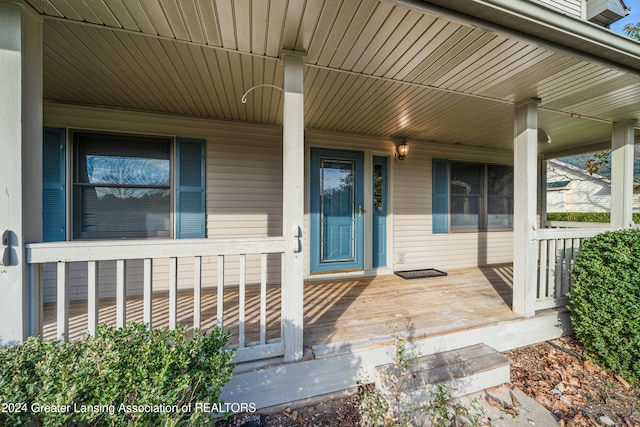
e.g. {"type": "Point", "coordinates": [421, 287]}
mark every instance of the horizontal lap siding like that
{"type": "Point", "coordinates": [570, 7]}
{"type": "Point", "coordinates": [244, 195]}
{"type": "Point", "coordinates": [412, 194]}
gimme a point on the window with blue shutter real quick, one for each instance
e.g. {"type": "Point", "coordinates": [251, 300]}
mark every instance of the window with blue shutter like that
{"type": "Point", "coordinates": [54, 185]}
{"type": "Point", "coordinates": [440, 196]}
{"type": "Point", "coordinates": [121, 186]}
{"type": "Point", "coordinates": [190, 188]}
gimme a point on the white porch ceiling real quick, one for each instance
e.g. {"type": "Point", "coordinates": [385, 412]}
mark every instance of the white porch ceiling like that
{"type": "Point", "coordinates": [373, 67]}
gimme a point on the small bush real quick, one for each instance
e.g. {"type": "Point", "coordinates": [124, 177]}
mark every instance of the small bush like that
{"type": "Point", "coordinates": [129, 376]}
{"type": "Point", "coordinates": [605, 301]}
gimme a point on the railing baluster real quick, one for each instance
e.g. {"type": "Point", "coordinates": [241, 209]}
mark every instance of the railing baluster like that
{"type": "Point", "coordinates": [121, 293]}
{"type": "Point", "coordinates": [553, 263]}
{"type": "Point", "coordinates": [92, 296]}
{"type": "Point", "coordinates": [576, 250]}
{"type": "Point", "coordinates": [36, 308]}
{"type": "Point", "coordinates": [197, 291]}
{"type": "Point", "coordinates": [242, 300]}
{"type": "Point", "coordinates": [220, 304]}
{"type": "Point", "coordinates": [173, 292]}
{"type": "Point", "coordinates": [566, 273]}
{"type": "Point", "coordinates": [559, 268]}
{"type": "Point", "coordinates": [63, 301]}
{"type": "Point", "coordinates": [542, 281]}
{"type": "Point", "coordinates": [263, 299]}
{"type": "Point", "coordinates": [147, 292]}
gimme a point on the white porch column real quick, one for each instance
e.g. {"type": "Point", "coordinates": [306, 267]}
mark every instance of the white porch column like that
{"type": "Point", "coordinates": [293, 206]}
{"type": "Point", "coordinates": [622, 174]}
{"type": "Point", "coordinates": [525, 161]}
{"type": "Point", "coordinates": [20, 161]}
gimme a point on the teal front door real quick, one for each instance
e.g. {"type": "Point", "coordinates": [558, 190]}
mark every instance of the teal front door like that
{"type": "Point", "coordinates": [337, 210]}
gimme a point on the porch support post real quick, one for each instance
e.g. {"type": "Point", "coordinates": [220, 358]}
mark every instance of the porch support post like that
{"type": "Point", "coordinates": [622, 153]}
{"type": "Point", "coordinates": [293, 206]}
{"type": "Point", "coordinates": [20, 165]}
{"type": "Point", "coordinates": [525, 160]}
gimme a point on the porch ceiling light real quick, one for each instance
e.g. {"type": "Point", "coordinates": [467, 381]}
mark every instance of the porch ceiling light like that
{"type": "Point", "coordinates": [403, 150]}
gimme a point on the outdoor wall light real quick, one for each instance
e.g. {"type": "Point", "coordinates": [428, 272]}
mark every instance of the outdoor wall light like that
{"type": "Point", "coordinates": [403, 150]}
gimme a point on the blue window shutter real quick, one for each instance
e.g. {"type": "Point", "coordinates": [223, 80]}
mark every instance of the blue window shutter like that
{"type": "Point", "coordinates": [440, 194]}
{"type": "Point", "coordinates": [190, 188]}
{"type": "Point", "coordinates": [54, 185]}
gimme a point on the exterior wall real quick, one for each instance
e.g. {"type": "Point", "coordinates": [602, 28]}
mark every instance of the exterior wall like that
{"type": "Point", "coordinates": [244, 193]}
{"type": "Point", "coordinates": [584, 193]}
{"type": "Point", "coordinates": [244, 197]}
{"type": "Point", "coordinates": [569, 7]}
{"type": "Point", "coordinates": [413, 239]}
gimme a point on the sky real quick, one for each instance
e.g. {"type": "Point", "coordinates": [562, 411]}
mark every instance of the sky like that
{"type": "Point", "coordinates": [633, 18]}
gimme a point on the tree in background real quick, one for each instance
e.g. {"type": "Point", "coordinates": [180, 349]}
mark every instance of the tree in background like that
{"type": "Point", "coordinates": [633, 30]}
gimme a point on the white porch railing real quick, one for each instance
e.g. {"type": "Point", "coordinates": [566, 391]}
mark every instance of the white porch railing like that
{"type": "Point", "coordinates": [94, 252]}
{"type": "Point", "coordinates": [558, 249]}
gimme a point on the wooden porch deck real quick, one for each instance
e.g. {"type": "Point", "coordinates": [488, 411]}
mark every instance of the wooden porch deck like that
{"type": "Point", "coordinates": [339, 314]}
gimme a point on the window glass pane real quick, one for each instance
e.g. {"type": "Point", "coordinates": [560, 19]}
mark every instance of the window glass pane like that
{"type": "Point", "coordinates": [500, 197]}
{"type": "Point", "coordinates": [121, 186]}
{"type": "Point", "coordinates": [467, 201]}
{"type": "Point", "coordinates": [123, 212]}
{"type": "Point", "coordinates": [378, 190]}
{"type": "Point", "coordinates": [337, 192]}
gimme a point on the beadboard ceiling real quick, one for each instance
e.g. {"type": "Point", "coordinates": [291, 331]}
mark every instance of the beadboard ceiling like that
{"type": "Point", "coordinates": [372, 67]}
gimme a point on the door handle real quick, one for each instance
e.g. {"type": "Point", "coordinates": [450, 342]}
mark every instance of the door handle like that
{"type": "Point", "coordinates": [360, 210]}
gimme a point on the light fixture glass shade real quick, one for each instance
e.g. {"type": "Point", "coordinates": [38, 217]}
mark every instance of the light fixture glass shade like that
{"type": "Point", "coordinates": [403, 150]}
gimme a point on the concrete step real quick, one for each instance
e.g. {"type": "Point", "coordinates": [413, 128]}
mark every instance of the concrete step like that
{"type": "Point", "coordinates": [464, 370]}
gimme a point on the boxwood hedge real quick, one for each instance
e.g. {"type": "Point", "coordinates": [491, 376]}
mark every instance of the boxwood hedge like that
{"type": "Point", "coordinates": [126, 376]}
{"type": "Point", "coordinates": [605, 300]}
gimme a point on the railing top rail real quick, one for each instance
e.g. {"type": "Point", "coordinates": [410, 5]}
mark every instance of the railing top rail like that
{"type": "Point", "coordinates": [105, 250]}
{"type": "Point", "coordinates": [575, 224]}
{"type": "Point", "coordinates": [569, 233]}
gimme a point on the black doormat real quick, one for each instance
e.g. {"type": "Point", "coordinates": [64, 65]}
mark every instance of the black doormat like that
{"type": "Point", "coordinates": [420, 274]}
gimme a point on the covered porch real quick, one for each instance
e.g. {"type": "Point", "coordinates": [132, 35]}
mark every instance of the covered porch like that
{"type": "Point", "coordinates": [457, 88]}
{"type": "Point", "coordinates": [341, 315]}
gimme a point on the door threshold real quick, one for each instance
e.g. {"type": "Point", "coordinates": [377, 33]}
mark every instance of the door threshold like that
{"type": "Point", "coordinates": [340, 271]}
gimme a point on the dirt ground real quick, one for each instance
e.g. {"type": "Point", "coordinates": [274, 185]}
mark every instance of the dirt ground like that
{"type": "Point", "coordinates": [556, 374]}
{"type": "Point", "coordinates": [580, 393]}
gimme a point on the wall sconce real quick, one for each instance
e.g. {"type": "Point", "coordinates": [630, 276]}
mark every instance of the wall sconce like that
{"type": "Point", "coordinates": [403, 150]}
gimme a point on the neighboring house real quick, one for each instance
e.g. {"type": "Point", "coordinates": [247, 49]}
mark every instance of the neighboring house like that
{"type": "Point", "coordinates": [572, 189]}
{"type": "Point", "coordinates": [241, 151]}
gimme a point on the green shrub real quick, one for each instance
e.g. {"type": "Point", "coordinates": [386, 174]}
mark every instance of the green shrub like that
{"type": "Point", "coordinates": [605, 301]}
{"type": "Point", "coordinates": [128, 376]}
{"type": "Point", "coordinates": [585, 216]}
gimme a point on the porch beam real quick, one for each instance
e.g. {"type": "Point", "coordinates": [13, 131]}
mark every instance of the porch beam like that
{"type": "Point", "coordinates": [525, 161]}
{"type": "Point", "coordinates": [20, 167]}
{"type": "Point", "coordinates": [622, 153]}
{"type": "Point", "coordinates": [293, 206]}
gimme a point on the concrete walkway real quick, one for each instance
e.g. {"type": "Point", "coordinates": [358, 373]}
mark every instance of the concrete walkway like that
{"type": "Point", "coordinates": [510, 408]}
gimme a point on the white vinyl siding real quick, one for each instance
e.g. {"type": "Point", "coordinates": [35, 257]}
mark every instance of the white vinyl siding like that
{"type": "Point", "coordinates": [244, 196]}
{"type": "Point", "coordinates": [570, 7]}
{"type": "Point", "coordinates": [412, 192]}
{"type": "Point", "coordinates": [244, 193]}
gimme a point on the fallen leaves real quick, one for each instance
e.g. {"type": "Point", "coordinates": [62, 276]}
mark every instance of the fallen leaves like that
{"type": "Point", "coordinates": [578, 391]}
